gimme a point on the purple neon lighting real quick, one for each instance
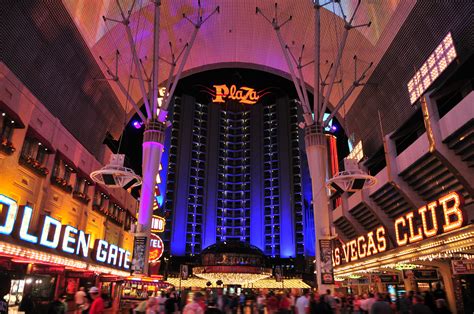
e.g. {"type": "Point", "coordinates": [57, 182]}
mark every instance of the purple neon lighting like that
{"type": "Point", "coordinates": [151, 161]}
{"type": "Point", "coordinates": [137, 124]}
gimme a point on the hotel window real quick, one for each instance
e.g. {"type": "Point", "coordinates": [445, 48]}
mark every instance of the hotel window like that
{"type": "Point", "coordinates": [6, 127]}
{"type": "Point", "coordinates": [99, 198]}
{"type": "Point", "coordinates": [34, 153]}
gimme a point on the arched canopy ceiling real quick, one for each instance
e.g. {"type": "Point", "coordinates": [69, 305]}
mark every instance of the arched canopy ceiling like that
{"type": "Point", "coordinates": [239, 36]}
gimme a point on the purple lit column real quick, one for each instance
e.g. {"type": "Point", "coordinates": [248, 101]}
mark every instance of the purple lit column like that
{"type": "Point", "coordinates": [153, 140]}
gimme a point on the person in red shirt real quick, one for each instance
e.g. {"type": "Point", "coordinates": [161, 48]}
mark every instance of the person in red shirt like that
{"type": "Point", "coordinates": [285, 304]}
{"type": "Point", "coordinates": [272, 303]}
{"type": "Point", "coordinates": [97, 306]}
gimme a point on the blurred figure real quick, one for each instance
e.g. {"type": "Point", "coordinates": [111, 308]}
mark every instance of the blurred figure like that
{"type": "Point", "coordinates": [404, 304]}
{"type": "Point", "coordinates": [140, 308]}
{"type": "Point", "coordinates": [242, 302]}
{"type": "Point", "coordinates": [367, 303]}
{"type": "Point", "coordinates": [321, 307]}
{"type": "Point", "coordinates": [272, 303]}
{"type": "Point", "coordinates": [234, 304]}
{"type": "Point", "coordinates": [439, 293]}
{"type": "Point", "coordinates": [58, 306]}
{"type": "Point", "coordinates": [27, 304]}
{"type": "Point", "coordinates": [261, 303]}
{"type": "Point", "coordinates": [171, 304]}
{"type": "Point", "coordinates": [86, 305]}
{"type": "Point", "coordinates": [419, 306]}
{"type": "Point", "coordinates": [97, 306]}
{"type": "Point", "coordinates": [4, 290]}
{"type": "Point", "coordinates": [152, 306]}
{"type": "Point", "coordinates": [333, 301]}
{"type": "Point", "coordinates": [430, 301]}
{"type": "Point", "coordinates": [442, 307]}
{"type": "Point", "coordinates": [161, 299]}
{"type": "Point", "coordinates": [292, 299]}
{"type": "Point", "coordinates": [380, 306]}
{"type": "Point", "coordinates": [356, 304]}
{"type": "Point", "coordinates": [195, 306]}
{"type": "Point", "coordinates": [302, 303]}
{"type": "Point", "coordinates": [79, 298]}
{"type": "Point", "coordinates": [222, 301]}
{"type": "Point", "coordinates": [284, 305]}
{"type": "Point", "coordinates": [212, 308]}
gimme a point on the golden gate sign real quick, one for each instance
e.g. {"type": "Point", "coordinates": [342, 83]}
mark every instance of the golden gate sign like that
{"type": "Point", "coordinates": [407, 230]}
{"type": "Point", "coordinates": [245, 95]}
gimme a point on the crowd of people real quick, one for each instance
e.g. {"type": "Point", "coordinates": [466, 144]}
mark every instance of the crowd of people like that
{"type": "Point", "coordinates": [215, 302]}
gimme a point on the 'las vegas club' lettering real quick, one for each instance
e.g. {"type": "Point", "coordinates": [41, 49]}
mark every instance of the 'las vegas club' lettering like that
{"type": "Point", "coordinates": [411, 227]}
{"type": "Point", "coordinates": [15, 221]}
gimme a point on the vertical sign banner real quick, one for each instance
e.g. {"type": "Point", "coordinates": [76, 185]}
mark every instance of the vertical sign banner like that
{"type": "Point", "coordinates": [139, 249]}
{"type": "Point", "coordinates": [327, 271]}
{"type": "Point", "coordinates": [184, 272]}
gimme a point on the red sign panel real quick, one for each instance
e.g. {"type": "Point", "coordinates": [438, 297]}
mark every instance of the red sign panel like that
{"type": "Point", "coordinates": [156, 248]}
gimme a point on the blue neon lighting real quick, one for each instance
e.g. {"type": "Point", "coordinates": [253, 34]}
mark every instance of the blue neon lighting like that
{"type": "Point", "coordinates": [7, 227]}
{"type": "Point", "coordinates": [68, 239]}
{"type": "Point", "coordinates": [56, 224]}
{"type": "Point", "coordinates": [25, 226]}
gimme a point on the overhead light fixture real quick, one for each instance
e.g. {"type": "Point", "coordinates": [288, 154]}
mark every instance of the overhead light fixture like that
{"type": "Point", "coordinates": [115, 175]}
{"type": "Point", "coordinates": [352, 179]}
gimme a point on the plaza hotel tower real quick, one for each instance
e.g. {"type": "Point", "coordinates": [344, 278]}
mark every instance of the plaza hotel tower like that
{"type": "Point", "coordinates": [236, 172]}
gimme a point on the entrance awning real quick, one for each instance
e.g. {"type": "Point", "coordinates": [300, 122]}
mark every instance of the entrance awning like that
{"type": "Point", "coordinates": [448, 245]}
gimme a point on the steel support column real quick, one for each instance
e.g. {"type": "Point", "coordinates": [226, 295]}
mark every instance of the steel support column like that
{"type": "Point", "coordinates": [316, 152]}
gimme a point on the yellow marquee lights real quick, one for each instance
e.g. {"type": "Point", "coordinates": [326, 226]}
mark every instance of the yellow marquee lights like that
{"type": "Point", "coordinates": [37, 256]}
{"type": "Point", "coordinates": [33, 256]}
{"type": "Point", "coordinates": [448, 246]}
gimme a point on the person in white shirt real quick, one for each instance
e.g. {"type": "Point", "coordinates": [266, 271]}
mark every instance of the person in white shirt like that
{"type": "Point", "coordinates": [161, 299]}
{"type": "Point", "coordinates": [366, 304]}
{"type": "Point", "coordinates": [80, 298]}
{"type": "Point", "coordinates": [302, 303]}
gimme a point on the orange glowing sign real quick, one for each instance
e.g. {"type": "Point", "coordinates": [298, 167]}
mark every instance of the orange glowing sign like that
{"type": "Point", "coordinates": [440, 216]}
{"type": "Point", "coordinates": [245, 95]}
{"type": "Point", "coordinates": [157, 224]}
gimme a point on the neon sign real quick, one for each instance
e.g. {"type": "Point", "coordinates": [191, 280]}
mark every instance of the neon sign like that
{"type": "Point", "coordinates": [156, 248]}
{"type": "Point", "coordinates": [157, 224]}
{"type": "Point", "coordinates": [15, 221]}
{"type": "Point", "coordinates": [440, 216]}
{"type": "Point", "coordinates": [245, 95]}
{"type": "Point", "coordinates": [364, 246]}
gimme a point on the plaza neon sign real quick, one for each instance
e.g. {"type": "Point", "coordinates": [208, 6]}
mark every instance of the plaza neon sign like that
{"type": "Point", "coordinates": [245, 95]}
{"type": "Point", "coordinates": [440, 216]}
{"type": "Point", "coordinates": [15, 221]}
